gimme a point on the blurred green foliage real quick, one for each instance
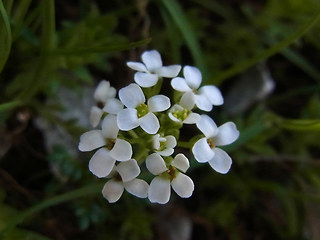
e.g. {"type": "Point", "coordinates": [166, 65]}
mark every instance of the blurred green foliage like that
{"type": "Point", "coordinates": [273, 188]}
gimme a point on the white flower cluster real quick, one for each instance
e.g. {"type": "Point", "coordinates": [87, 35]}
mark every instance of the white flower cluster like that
{"type": "Point", "coordinates": [141, 128]}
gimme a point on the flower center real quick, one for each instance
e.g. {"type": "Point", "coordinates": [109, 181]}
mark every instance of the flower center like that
{"type": "Point", "coordinates": [172, 171]}
{"type": "Point", "coordinates": [211, 143]}
{"type": "Point", "coordinates": [110, 142]}
{"type": "Point", "coordinates": [181, 114]}
{"type": "Point", "coordinates": [142, 110]}
{"type": "Point", "coordinates": [100, 105]}
{"type": "Point", "coordinates": [162, 146]}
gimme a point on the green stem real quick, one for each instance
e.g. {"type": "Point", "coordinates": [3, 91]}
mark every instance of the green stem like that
{"type": "Point", "coordinates": [82, 192]}
{"type": "Point", "coordinates": [133, 134]}
{"type": "Point", "coordinates": [184, 144]}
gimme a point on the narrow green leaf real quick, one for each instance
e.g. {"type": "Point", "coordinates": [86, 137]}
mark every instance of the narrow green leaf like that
{"type": "Point", "coordinates": [189, 35]}
{"type": "Point", "coordinates": [48, 26]}
{"type": "Point", "coordinates": [301, 62]}
{"type": "Point", "coordinates": [47, 45]}
{"type": "Point", "coordinates": [240, 67]}
{"type": "Point", "coordinates": [101, 49]}
{"type": "Point", "coordinates": [301, 124]}
{"type": "Point", "coordinates": [8, 6]}
{"type": "Point", "coordinates": [8, 105]}
{"type": "Point", "coordinates": [5, 36]}
{"type": "Point", "coordinates": [19, 218]}
{"type": "Point", "coordinates": [19, 16]}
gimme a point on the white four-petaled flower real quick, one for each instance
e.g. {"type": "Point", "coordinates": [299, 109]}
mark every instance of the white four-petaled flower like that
{"type": "Point", "coordinates": [137, 112]}
{"type": "Point", "coordinates": [205, 149]}
{"type": "Point", "coordinates": [167, 177]}
{"type": "Point", "coordinates": [104, 97]}
{"type": "Point", "coordinates": [116, 149]}
{"type": "Point", "coordinates": [182, 112]}
{"type": "Point", "coordinates": [164, 145]}
{"type": "Point", "coordinates": [151, 69]}
{"type": "Point", "coordinates": [124, 177]}
{"type": "Point", "coordinates": [205, 96]}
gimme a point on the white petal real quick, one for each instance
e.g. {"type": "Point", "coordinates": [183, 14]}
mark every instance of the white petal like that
{"type": "Point", "coordinates": [101, 163]}
{"type": "Point", "coordinates": [213, 94]}
{"type": "Point", "coordinates": [169, 71]}
{"type": "Point", "coordinates": [192, 118]}
{"type": "Point", "coordinates": [183, 185]}
{"type": "Point", "coordinates": [91, 140]}
{"type": "Point", "coordinates": [112, 190]}
{"type": "Point", "coordinates": [122, 150]}
{"type": "Point", "coordinates": [227, 133]}
{"type": "Point", "coordinates": [203, 102]}
{"type": "Point", "coordinates": [181, 162]}
{"type": "Point", "coordinates": [112, 92]}
{"type": "Point", "coordinates": [158, 103]}
{"type": "Point", "coordinates": [221, 162]}
{"type": "Point", "coordinates": [137, 187]}
{"type": "Point", "coordinates": [131, 96]}
{"type": "Point", "coordinates": [137, 66]}
{"type": "Point", "coordinates": [110, 127]}
{"type": "Point", "coordinates": [166, 152]}
{"type": "Point", "coordinates": [173, 109]}
{"type": "Point", "coordinates": [159, 190]}
{"type": "Point", "coordinates": [128, 170]}
{"type": "Point", "coordinates": [95, 116]}
{"type": "Point", "coordinates": [173, 118]}
{"type": "Point", "coordinates": [152, 60]}
{"type": "Point", "coordinates": [156, 141]}
{"type": "Point", "coordinates": [146, 79]}
{"type": "Point", "coordinates": [155, 164]}
{"type": "Point", "coordinates": [127, 119]}
{"type": "Point", "coordinates": [180, 84]}
{"type": "Point", "coordinates": [149, 123]}
{"type": "Point", "coordinates": [202, 151]}
{"type": "Point", "coordinates": [207, 126]}
{"type": "Point", "coordinates": [113, 106]}
{"type": "Point", "coordinates": [193, 76]}
{"type": "Point", "coordinates": [101, 92]}
{"type": "Point", "coordinates": [187, 100]}
{"type": "Point", "coordinates": [171, 141]}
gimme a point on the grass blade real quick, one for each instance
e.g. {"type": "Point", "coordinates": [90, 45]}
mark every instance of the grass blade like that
{"type": "Point", "coordinates": [238, 68]}
{"type": "Point", "coordinates": [5, 36]}
{"type": "Point", "coordinates": [82, 192]}
{"type": "Point", "coordinates": [182, 23]}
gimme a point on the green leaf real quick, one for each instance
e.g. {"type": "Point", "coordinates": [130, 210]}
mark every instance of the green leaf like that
{"type": "Point", "coordinates": [5, 36]}
{"type": "Point", "coordinates": [75, 194]}
{"type": "Point", "coordinates": [301, 124]}
{"type": "Point", "coordinates": [242, 66]}
{"type": "Point", "coordinates": [18, 18]}
{"type": "Point", "coordinates": [8, 105]}
{"type": "Point", "coordinates": [102, 49]}
{"type": "Point", "coordinates": [189, 35]}
{"type": "Point", "coordinates": [48, 26]}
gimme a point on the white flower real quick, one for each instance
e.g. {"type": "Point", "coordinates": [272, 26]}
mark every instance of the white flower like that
{"type": "Point", "coordinates": [205, 149]}
{"type": "Point", "coordinates": [104, 97]}
{"type": "Point", "coordinates": [116, 149]}
{"type": "Point", "coordinates": [159, 189]}
{"type": "Point", "coordinates": [182, 112]}
{"type": "Point", "coordinates": [137, 112]}
{"type": "Point", "coordinates": [205, 96]}
{"type": "Point", "coordinates": [151, 69]}
{"type": "Point", "coordinates": [124, 177]}
{"type": "Point", "coordinates": [164, 145]}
